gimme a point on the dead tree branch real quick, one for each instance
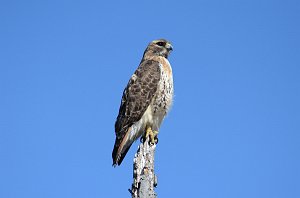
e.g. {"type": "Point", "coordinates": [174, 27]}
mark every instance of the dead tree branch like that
{"type": "Point", "coordinates": [144, 178]}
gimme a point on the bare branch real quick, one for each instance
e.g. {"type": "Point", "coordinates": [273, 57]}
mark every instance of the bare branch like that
{"type": "Point", "coordinates": [144, 178]}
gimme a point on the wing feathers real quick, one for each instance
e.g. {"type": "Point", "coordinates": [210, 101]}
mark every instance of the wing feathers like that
{"type": "Point", "coordinates": [136, 98]}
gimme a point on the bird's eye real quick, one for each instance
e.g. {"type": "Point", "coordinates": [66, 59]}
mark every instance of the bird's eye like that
{"type": "Point", "coordinates": [160, 43]}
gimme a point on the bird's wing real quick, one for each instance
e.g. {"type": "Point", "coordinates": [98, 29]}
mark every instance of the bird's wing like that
{"type": "Point", "coordinates": [136, 98]}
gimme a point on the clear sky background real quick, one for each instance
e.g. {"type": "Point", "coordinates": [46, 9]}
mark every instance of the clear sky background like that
{"type": "Point", "coordinates": [234, 129]}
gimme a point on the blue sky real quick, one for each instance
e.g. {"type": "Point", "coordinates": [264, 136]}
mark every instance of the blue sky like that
{"type": "Point", "coordinates": [234, 129]}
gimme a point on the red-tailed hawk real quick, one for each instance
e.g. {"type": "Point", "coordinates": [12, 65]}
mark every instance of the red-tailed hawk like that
{"type": "Point", "coordinates": [146, 99]}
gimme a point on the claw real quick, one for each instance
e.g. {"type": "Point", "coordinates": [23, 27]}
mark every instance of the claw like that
{"type": "Point", "coordinates": [156, 140]}
{"type": "Point", "coordinates": [152, 135]}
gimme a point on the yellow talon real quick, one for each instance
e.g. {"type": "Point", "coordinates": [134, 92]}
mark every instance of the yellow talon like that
{"type": "Point", "coordinates": [151, 134]}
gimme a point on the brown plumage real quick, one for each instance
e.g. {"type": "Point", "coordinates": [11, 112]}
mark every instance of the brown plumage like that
{"type": "Point", "coordinates": [146, 98]}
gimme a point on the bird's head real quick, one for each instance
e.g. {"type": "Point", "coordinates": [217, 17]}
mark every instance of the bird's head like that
{"type": "Point", "coordinates": [160, 47]}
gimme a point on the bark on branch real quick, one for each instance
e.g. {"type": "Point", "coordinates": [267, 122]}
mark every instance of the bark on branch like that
{"type": "Point", "coordinates": [144, 178]}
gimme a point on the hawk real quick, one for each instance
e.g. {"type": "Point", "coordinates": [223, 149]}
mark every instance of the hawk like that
{"type": "Point", "coordinates": [146, 99]}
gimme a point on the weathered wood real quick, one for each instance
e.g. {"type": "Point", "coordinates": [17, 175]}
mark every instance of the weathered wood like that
{"type": "Point", "coordinates": [144, 178]}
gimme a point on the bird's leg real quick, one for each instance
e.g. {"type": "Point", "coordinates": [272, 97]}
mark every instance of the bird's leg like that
{"type": "Point", "coordinates": [152, 135]}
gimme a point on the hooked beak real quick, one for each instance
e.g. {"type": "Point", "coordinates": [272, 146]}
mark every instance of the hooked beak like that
{"type": "Point", "coordinates": [169, 47]}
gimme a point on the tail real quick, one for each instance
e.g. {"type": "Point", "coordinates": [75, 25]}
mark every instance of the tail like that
{"type": "Point", "coordinates": [121, 147]}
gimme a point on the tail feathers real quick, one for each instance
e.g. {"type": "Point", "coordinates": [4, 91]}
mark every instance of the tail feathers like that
{"type": "Point", "coordinates": [121, 147]}
{"type": "Point", "coordinates": [118, 158]}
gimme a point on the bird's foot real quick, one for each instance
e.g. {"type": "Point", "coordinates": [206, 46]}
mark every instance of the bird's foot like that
{"type": "Point", "coordinates": [152, 135]}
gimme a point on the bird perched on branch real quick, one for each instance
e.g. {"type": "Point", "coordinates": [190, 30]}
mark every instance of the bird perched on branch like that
{"type": "Point", "coordinates": [146, 99]}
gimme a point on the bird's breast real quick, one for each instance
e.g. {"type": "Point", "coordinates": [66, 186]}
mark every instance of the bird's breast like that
{"type": "Point", "coordinates": [164, 97]}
